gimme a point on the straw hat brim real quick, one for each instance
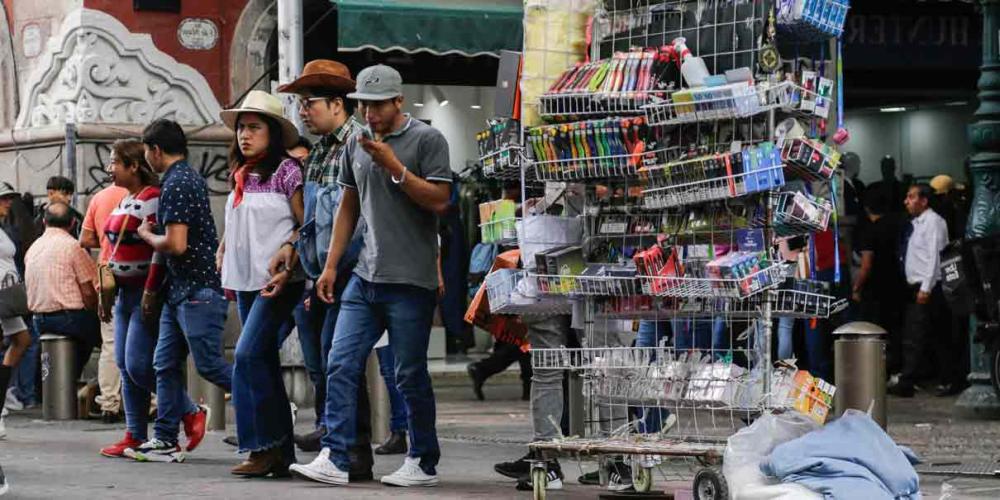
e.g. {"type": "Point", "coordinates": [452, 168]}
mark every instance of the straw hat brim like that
{"type": "Point", "coordinates": [288, 131]}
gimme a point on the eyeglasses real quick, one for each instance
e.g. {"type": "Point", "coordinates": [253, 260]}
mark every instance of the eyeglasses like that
{"type": "Point", "coordinates": [306, 102]}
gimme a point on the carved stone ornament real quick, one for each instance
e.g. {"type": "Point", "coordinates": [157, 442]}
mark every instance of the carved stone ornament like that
{"type": "Point", "coordinates": [96, 71]}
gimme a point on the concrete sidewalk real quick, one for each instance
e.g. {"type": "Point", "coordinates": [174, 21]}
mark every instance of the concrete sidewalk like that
{"type": "Point", "coordinates": [60, 459]}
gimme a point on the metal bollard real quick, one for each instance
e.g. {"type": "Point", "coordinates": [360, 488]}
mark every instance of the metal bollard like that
{"type": "Point", "coordinates": [204, 392]}
{"type": "Point", "coordinates": [58, 377]}
{"type": "Point", "coordinates": [859, 368]}
{"type": "Point", "coordinates": [378, 397]}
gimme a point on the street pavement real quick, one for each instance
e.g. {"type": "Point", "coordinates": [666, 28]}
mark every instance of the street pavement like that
{"type": "Point", "coordinates": [59, 459]}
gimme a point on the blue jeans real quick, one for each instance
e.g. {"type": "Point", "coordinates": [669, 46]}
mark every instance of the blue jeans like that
{"type": "Point", "coordinates": [650, 334]}
{"type": "Point", "coordinates": [82, 326]}
{"type": "Point", "coordinates": [366, 311]}
{"type": "Point", "coordinates": [786, 329]}
{"type": "Point", "coordinates": [263, 418]}
{"type": "Point", "coordinates": [397, 404]}
{"type": "Point", "coordinates": [818, 338]}
{"type": "Point", "coordinates": [134, 345]}
{"type": "Point", "coordinates": [315, 328]}
{"type": "Point", "coordinates": [701, 334]}
{"type": "Point", "coordinates": [193, 325]}
{"type": "Point", "coordinates": [24, 380]}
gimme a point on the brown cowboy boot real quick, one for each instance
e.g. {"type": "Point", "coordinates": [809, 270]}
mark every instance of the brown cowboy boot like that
{"type": "Point", "coordinates": [262, 463]}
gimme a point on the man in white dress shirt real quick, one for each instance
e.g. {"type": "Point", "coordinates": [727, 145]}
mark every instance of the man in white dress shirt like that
{"type": "Point", "coordinates": [927, 316]}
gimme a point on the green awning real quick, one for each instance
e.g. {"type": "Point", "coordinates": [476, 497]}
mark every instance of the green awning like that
{"type": "Point", "coordinates": [467, 27]}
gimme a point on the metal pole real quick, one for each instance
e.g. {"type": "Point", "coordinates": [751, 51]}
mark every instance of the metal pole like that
{"type": "Point", "coordinates": [69, 156]}
{"type": "Point", "coordinates": [290, 58]}
{"type": "Point", "coordinates": [378, 396]}
{"type": "Point", "coordinates": [979, 399]}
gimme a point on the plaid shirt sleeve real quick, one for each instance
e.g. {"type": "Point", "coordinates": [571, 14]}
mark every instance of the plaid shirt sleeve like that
{"type": "Point", "coordinates": [83, 266]}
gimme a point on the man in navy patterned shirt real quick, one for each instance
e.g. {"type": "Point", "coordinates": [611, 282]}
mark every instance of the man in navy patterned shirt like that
{"type": "Point", "coordinates": [194, 310]}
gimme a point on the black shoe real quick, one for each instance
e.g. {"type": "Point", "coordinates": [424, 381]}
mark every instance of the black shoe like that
{"type": "Point", "coordinates": [590, 478]}
{"type": "Point", "coordinates": [231, 441]}
{"type": "Point", "coordinates": [516, 469]}
{"type": "Point", "coordinates": [477, 380]}
{"type": "Point", "coordinates": [946, 391]}
{"type": "Point", "coordinates": [901, 390]}
{"type": "Point", "coordinates": [310, 442]}
{"type": "Point", "coordinates": [362, 462]}
{"type": "Point", "coordinates": [110, 417]}
{"type": "Point", "coordinates": [554, 478]}
{"type": "Point", "coordinates": [395, 444]}
{"type": "Point", "coordinates": [619, 477]}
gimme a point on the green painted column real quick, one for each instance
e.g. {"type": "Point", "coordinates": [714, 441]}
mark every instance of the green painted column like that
{"type": "Point", "coordinates": [984, 135]}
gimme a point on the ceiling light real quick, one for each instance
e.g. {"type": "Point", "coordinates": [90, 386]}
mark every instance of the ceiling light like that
{"type": "Point", "coordinates": [477, 98]}
{"type": "Point", "coordinates": [441, 99]}
{"type": "Point", "coordinates": [418, 101]}
{"type": "Point", "coordinates": [893, 110]}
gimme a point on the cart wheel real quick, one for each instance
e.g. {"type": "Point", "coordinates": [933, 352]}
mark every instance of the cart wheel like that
{"type": "Point", "coordinates": [540, 481]}
{"type": "Point", "coordinates": [642, 479]}
{"type": "Point", "coordinates": [709, 484]}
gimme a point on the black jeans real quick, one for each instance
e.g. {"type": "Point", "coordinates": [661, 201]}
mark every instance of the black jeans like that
{"type": "Point", "coordinates": [505, 354]}
{"type": "Point", "coordinates": [928, 329]}
{"type": "Point", "coordinates": [885, 308]}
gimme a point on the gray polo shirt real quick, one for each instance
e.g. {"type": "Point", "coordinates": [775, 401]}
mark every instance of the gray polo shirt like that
{"type": "Point", "coordinates": [401, 243]}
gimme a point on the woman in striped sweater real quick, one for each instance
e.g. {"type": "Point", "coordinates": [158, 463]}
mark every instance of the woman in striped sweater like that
{"type": "Point", "coordinates": [138, 272]}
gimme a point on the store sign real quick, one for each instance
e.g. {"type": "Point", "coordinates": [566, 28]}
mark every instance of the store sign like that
{"type": "Point", "coordinates": [880, 35]}
{"type": "Point", "coordinates": [198, 34]}
{"type": "Point", "coordinates": [31, 40]}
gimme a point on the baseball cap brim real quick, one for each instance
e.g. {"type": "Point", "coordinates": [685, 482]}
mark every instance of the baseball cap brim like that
{"type": "Point", "coordinates": [362, 96]}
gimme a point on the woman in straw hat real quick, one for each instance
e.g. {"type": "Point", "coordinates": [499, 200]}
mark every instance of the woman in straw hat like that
{"type": "Point", "coordinates": [257, 262]}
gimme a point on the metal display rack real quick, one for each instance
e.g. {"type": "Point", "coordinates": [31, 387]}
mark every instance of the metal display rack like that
{"type": "Point", "coordinates": [657, 403]}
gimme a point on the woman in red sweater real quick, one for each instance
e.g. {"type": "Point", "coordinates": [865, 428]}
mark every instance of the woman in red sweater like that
{"type": "Point", "coordinates": [138, 272]}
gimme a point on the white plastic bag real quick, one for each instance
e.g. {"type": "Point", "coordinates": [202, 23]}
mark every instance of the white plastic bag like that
{"type": "Point", "coordinates": [748, 447]}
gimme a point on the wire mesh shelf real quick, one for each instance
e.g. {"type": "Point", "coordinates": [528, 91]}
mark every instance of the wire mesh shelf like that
{"type": "Point", "coordinates": [575, 105]}
{"type": "Point", "coordinates": [725, 102]}
{"type": "Point", "coordinates": [665, 308]}
{"type": "Point", "coordinates": [752, 284]}
{"type": "Point", "coordinates": [810, 160]}
{"type": "Point", "coordinates": [805, 103]}
{"type": "Point", "coordinates": [578, 285]}
{"type": "Point", "coordinates": [798, 214]}
{"type": "Point", "coordinates": [509, 292]}
{"type": "Point", "coordinates": [598, 167]}
{"type": "Point", "coordinates": [501, 232]}
{"type": "Point", "coordinates": [504, 163]}
{"type": "Point", "coordinates": [806, 305]}
{"type": "Point", "coordinates": [812, 20]}
{"type": "Point", "coordinates": [714, 189]}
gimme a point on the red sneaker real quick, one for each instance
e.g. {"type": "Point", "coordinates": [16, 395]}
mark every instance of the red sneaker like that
{"type": "Point", "coordinates": [195, 425]}
{"type": "Point", "coordinates": [117, 450]}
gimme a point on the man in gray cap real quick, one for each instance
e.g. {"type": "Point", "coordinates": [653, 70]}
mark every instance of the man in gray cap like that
{"type": "Point", "coordinates": [397, 176]}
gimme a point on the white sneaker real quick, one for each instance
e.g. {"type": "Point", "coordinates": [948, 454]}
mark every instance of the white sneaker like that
{"type": "Point", "coordinates": [11, 402]}
{"type": "Point", "coordinates": [155, 450]}
{"type": "Point", "coordinates": [321, 470]}
{"type": "Point", "coordinates": [410, 474]}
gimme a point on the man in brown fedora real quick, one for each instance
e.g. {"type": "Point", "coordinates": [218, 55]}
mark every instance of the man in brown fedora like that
{"type": "Point", "coordinates": [328, 113]}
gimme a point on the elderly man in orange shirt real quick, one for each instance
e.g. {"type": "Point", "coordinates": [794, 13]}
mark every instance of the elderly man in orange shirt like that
{"type": "Point", "coordinates": [60, 277]}
{"type": "Point", "coordinates": [108, 376]}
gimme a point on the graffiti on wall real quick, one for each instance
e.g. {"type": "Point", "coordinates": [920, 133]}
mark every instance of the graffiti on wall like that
{"type": "Point", "coordinates": [209, 161]}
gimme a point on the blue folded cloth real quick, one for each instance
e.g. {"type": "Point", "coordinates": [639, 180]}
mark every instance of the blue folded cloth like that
{"type": "Point", "coordinates": [849, 458]}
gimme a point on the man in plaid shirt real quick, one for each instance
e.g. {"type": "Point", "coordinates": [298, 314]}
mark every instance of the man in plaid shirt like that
{"type": "Point", "coordinates": [327, 112]}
